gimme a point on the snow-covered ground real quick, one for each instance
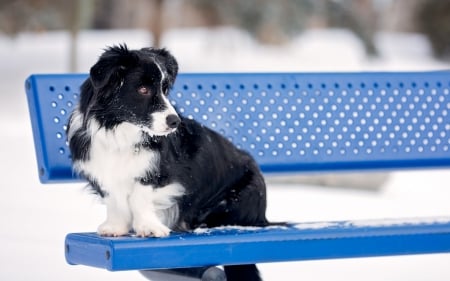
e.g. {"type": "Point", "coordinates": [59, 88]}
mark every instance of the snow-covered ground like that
{"type": "Point", "coordinates": [36, 218]}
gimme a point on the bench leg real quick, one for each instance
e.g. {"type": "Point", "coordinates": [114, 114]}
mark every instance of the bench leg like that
{"type": "Point", "coordinates": [195, 273]}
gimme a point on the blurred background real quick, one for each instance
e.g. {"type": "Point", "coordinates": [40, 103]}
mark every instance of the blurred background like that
{"type": "Point", "coordinates": [60, 36]}
{"type": "Point", "coordinates": [265, 22]}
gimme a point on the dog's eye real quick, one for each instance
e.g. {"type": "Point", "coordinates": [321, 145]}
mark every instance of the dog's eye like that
{"type": "Point", "coordinates": [143, 91]}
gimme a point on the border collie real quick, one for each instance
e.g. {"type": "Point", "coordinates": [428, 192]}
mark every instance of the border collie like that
{"type": "Point", "coordinates": [156, 170]}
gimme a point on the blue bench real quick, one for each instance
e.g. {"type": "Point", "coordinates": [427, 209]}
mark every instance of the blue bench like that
{"type": "Point", "coordinates": [290, 122]}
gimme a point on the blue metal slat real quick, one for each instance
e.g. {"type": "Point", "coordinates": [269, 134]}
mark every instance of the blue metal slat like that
{"type": "Point", "coordinates": [51, 99]}
{"type": "Point", "coordinates": [290, 122]}
{"type": "Point", "coordinates": [235, 245]}
{"type": "Point", "coordinates": [326, 121]}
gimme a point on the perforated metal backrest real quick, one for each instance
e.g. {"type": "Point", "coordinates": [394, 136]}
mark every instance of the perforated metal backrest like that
{"type": "Point", "coordinates": [287, 121]}
{"type": "Point", "coordinates": [51, 99]}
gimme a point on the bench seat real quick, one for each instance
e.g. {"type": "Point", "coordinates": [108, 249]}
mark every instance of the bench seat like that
{"type": "Point", "coordinates": [290, 123]}
{"type": "Point", "coordinates": [243, 245]}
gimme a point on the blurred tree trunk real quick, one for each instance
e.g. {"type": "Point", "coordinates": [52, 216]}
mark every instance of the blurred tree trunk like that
{"type": "Point", "coordinates": [156, 25]}
{"type": "Point", "coordinates": [432, 19]}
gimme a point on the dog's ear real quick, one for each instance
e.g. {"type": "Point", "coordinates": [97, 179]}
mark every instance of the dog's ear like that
{"type": "Point", "coordinates": [169, 61]}
{"type": "Point", "coordinates": [111, 66]}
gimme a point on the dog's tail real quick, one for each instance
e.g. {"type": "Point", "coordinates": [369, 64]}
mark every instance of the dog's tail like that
{"type": "Point", "coordinates": [247, 272]}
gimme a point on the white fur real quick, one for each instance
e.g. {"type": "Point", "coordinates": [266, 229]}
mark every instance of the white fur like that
{"type": "Point", "coordinates": [154, 210]}
{"type": "Point", "coordinates": [116, 165]}
{"type": "Point", "coordinates": [76, 122]}
{"type": "Point", "coordinates": [163, 73]}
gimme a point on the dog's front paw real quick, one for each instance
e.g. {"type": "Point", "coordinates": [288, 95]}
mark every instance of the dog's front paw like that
{"type": "Point", "coordinates": [112, 229]}
{"type": "Point", "coordinates": [151, 229]}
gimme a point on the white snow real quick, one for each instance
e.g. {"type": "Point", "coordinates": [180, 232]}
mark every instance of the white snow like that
{"type": "Point", "coordinates": [399, 222]}
{"type": "Point", "coordinates": [36, 218]}
{"type": "Point", "coordinates": [238, 228]}
{"type": "Point", "coordinates": [387, 222]}
{"type": "Point", "coordinates": [316, 225]}
{"type": "Point", "coordinates": [201, 230]}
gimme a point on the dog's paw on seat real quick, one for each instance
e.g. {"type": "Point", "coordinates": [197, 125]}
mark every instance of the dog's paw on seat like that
{"type": "Point", "coordinates": [112, 229]}
{"type": "Point", "coordinates": [146, 229]}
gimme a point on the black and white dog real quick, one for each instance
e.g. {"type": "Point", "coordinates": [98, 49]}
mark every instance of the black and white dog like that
{"type": "Point", "coordinates": [156, 170]}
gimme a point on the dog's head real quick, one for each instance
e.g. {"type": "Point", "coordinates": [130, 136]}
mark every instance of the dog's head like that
{"type": "Point", "coordinates": [132, 86]}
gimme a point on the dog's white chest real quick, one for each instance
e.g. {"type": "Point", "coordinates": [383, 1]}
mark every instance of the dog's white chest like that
{"type": "Point", "coordinates": [117, 162]}
{"type": "Point", "coordinates": [114, 159]}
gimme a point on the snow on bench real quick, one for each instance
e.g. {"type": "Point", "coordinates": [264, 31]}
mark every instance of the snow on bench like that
{"type": "Point", "coordinates": [290, 122]}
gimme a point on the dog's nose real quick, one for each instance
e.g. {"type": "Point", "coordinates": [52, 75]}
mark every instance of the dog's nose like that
{"type": "Point", "coordinates": [173, 121]}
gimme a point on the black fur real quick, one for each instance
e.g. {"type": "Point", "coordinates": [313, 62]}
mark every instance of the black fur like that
{"type": "Point", "coordinates": [223, 185]}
